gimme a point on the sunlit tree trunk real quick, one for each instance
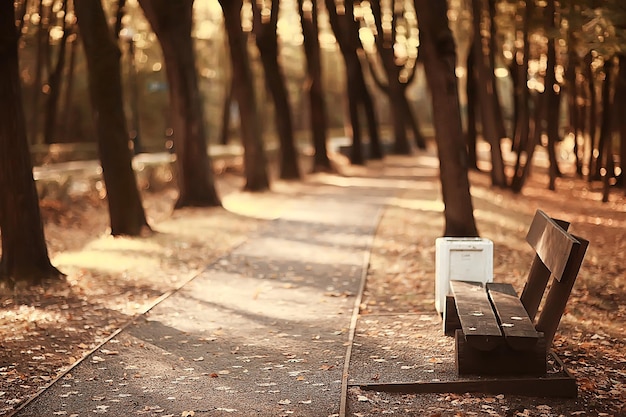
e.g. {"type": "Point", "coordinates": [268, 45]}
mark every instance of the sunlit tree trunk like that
{"type": "Point", "coordinates": [25, 259]}
{"type": "Point", "coordinates": [255, 161]}
{"type": "Point", "coordinates": [317, 104]}
{"type": "Point", "coordinates": [437, 45]}
{"type": "Point", "coordinates": [105, 87]}
{"type": "Point", "coordinates": [172, 22]}
{"type": "Point", "coordinates": [264, 29]}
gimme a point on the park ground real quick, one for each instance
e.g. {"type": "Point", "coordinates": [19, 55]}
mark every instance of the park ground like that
{"type": "Point", "coordinates": [46, 330]}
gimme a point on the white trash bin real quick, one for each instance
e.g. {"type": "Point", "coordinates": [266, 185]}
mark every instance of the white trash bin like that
{"type": "Point", "coordinates": [461, 258]}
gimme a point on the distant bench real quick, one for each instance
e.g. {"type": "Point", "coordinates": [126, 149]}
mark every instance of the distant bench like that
{"type": "Point", "coordinates": [498, 333]}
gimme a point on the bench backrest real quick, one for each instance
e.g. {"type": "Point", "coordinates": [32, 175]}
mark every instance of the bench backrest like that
{"type": "Point", "coordinates": [559, 255]}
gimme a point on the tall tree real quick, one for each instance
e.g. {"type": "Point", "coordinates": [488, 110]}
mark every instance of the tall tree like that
{"type": "Point", "coordinates": [399, 70]}
{"type": "Point", "coordinates": [105, 87]}
{"type": "Point", "coordinates": [438, 46]}
{"type": "Point", "coordinates": [265, 21]}
{"type": "Point", "coordinates": [485, 92]}
{"type": "Point", "coordinates": [341, 16]}
{"type": "Point", "coordinates": [172, 22]}
{"type": "Point", "coordinates": [24, 252]}
{"type": "Point", "coordinates": [255, 162]}
{"type": "Point", "coordinates": [317, 105]}
{"type": "Point", "coordinates": [55, 80]}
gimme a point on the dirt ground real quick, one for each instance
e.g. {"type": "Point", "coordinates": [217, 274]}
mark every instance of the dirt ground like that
{"type": "Point", "coordinates": [44, 331]}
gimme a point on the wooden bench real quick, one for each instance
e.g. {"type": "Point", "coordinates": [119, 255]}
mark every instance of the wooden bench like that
{"type": "Point", "coordinates": [498, 333]}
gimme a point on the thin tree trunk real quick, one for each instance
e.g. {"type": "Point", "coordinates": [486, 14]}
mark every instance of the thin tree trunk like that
{"type": "Point", "coordinates": [620, 97]}
{"type": "Point", "coordinates": [472, 109]}
{"type": "Point", "coordinates": [103, 61]}
{"type": "Point", "coordinates": [553, 98]}
{"type": "Point", "coordinates": [592, 117]}
{"type": "Point", "coordinates": [573, 112]}
{"type": "Point", "coordinates": [25, 259]}
{"type": "Point", "coordinates": [385, 40]}
{"type": "Point", "coordinates": [605, 121]}
{"type": "Point", "coordinates": [317, 111]}
{"type": "Point", "coordinates": [438, 47]}
{"type": "Point", "coordinates": [255, 161]}
{"type": "Point", "coordinates": [412, 122]}
{"type": "Point", "coordinates": [69, 87]}
{"type": "Point", "coordinates": [55, 82]}
{"type": "Point", "coordinates": [226, 113]}
{"type": "Point", "coordinates": [484, 74]}
{"type": "Point", "coordinates": [346, 33]}
{"type": "Point", "coordinates": [267, 42]}
{"type": "Point", "coordinates": [493, 48]}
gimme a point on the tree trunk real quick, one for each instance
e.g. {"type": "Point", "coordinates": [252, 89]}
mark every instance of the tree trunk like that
{"type": "Point", "coordinates": [255, 161]}
{"type": "Point", "coordinates": [553, 98]}
{"type": "Point", "coordinates": [484, 75]}
{"type": "Point", "coordinates": [25, 257]}
{"type": "Point", "coordinates": [437, 45]}
{"type": "Point", "coordinates": [226, 105]}
{"type": "Point", "coordinates": [412, 122]}
{"type": "Point", "coordinates": [620, 97]}
{"type": "Point", "coordinates": [472, 109]}
{"type": "Point", "coordinates": [592, 118]}
{"type": "Point", "coordinates": [606, 170]}
{"type": "Point", "coordinates": [605, 121]}
{"type": "Point", "coordinates": [172, 22]}
{"type": "Point", "coordinates": [346, 32]}
{"type": "Point", "coordinates": [573, 111]}
{"type": "Point", "coordinates": [267, 42]}
{"type": "Point", "coordinates": [319, 119]}
{"type": "Point", "coordinates": [493, 48]}
{"type": "Point", "coordinates": [385, 40]}
{"type": "Point", "coordinates": [69, 88]}
{"type": "Point", "coordinates": [103, 61]}
{"type": "Point", "coordinates": [54, 83]}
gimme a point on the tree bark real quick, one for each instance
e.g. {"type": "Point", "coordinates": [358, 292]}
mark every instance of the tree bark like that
{"type": "Point", "coordinates": [485, 93]}
{"type": "Point", "coordinates": [472, 109]}
{"type": "Point", "coordinates": [592, 118]}
{"type": "Point", "coordinates": [553, 99]}
{"type": "Point", "coordinates": [346, 32]}
{"type": "Point", "coordinates": [437, 45]}
{"type": "Point", "coordinates": [317, 111]}
{"type": "Point", "coordinates": [255, 161]}
{"type": "Point", "coordinates": [620, 96]}
{"type": "Point", "coordinates": [385, 41]}
{"type": "Point", "coordinates": [267, 42]}
{"type": "Point", "coordinates": [25, 259]}
{"type": "Point", "coordinates": [103, 61]}
{"type": "Point", "coordinates": [55, 81]}
{"type": "Point", "coordinates": [172, 22]}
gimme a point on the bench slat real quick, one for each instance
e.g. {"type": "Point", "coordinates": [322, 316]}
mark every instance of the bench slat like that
{"type": "Point", "coordinates": [519, 331]}
{"type": "Point", "coordinates": [552, 244]}
{"type": "Point", "coordinates": [476, 315]}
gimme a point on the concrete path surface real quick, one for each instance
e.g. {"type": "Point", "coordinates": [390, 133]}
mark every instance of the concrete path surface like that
{"type": "Point", "coordinates": [264, 331]}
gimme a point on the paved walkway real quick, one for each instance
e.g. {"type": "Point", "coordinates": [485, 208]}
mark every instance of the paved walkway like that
{"type": "Point", "coordinates": [264, 331]}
